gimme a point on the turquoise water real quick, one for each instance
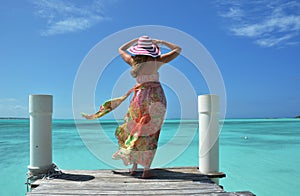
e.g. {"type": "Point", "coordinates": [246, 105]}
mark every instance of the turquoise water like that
{"type": "Point", "coordinates": [259, 155]}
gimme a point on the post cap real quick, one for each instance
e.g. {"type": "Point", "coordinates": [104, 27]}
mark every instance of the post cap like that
{"type": "Point", "coordinates": [40, 103]}
{"type": "Point", "coordinates": [208, 103]}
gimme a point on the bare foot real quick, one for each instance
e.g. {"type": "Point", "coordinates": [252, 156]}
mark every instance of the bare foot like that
{"type": "Point", "coordinates": [147, 174]}
{"type": "Point", "coordinates": [133, 169]}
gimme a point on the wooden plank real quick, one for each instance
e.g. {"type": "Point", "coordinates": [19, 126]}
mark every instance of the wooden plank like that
{"type": "Point", "coordinates": [126, 189]}
{"type": "Point", "coordinates": [125, 193]}
{"type": "Point", "coordinates": [136, 186]}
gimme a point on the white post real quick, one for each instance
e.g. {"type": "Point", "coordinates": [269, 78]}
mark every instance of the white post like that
{"type": "Point", "coordinates": [208, 108]}
{"type": "Point", "coordinates": [40, 109]}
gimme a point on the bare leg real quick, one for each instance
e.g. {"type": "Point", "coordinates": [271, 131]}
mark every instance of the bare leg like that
{"type": "Point", "coordinates": [133, 169]}
{"type": "Point", "coordinates": [147, 173]}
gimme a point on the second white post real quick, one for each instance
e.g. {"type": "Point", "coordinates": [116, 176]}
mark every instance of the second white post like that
{"type": "Point", "coordinates": [208, 108]}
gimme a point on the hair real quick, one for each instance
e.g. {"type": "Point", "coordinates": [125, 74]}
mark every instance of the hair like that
{"type": "Point", "coordinates": [138, 62]}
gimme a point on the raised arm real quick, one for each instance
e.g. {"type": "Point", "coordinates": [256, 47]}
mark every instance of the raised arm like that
{"type": "Point", "coordinates": [122, 50]}
{"type": "Point", "coordinates": [175, 51]}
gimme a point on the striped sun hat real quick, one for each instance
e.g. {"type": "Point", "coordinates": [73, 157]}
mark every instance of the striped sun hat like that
{"type": "Point", "coordinates": [144, 46]}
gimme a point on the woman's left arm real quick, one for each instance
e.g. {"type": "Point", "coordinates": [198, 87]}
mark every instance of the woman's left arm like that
{"type": "Point", "coordinates": [175, 51]}
{"type": "Point", "coordinates": [122, 50]}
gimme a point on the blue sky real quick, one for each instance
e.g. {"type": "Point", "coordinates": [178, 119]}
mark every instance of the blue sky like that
{"type": "Point", "coordinates": [254, 43]}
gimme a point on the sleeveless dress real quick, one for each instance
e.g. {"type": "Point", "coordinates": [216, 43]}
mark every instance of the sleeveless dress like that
{"type": "Point", "coordinates": [138, 135]}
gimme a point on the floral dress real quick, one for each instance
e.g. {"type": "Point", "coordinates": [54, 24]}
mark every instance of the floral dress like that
{"type": "Point", "coordinates": [138, 135]}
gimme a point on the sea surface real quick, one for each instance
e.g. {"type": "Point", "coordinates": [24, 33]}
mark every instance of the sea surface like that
{"type": "Point", "coordinates": [258, 155]}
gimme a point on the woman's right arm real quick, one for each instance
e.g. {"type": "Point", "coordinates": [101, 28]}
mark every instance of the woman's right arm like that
{"type": "Point", "coordinates": [122, 50]}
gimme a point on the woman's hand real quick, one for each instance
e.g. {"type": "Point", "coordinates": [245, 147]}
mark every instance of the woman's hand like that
{"type": "Point", "coordinates": [156, 41]}
{"type": "Point", "coordinates": [125, 46]}
{"type": "Point", "coordinates": [89, 117]}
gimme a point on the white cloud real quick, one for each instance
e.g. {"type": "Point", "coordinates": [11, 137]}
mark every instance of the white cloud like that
{"type": "Point", "coordinates": [233, 13]}
{"type": "Point", "coordinates": [269, 42]}
{"type": "Point", "coordinates": [268, 23]}
{"type": "Point", "coordinates": [280, 24]}
{"type": "Point", "coordinates": [11, 107]}
{"type": "Point", "coordinates": [64, 17]}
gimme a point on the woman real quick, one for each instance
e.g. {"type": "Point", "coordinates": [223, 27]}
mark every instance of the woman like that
{"type": "Point", "coordinates": [138, 136]}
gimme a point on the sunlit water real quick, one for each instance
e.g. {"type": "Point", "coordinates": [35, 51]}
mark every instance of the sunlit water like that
{"type": "Point", "coordinates": [259, 155]}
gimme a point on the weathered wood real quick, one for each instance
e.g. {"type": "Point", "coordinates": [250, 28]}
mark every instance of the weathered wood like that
{"type": "Point", "coordinates": [169, 181]}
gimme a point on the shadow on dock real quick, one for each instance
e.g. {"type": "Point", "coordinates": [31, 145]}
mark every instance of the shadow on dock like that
{"type": "Point", "coordinates": [75, 177]}
{"type": "Point", "coordinates": [166, 174]}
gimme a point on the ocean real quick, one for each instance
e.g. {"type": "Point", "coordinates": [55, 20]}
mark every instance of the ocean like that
{"type": "Point", "coordinates": [258, 155]}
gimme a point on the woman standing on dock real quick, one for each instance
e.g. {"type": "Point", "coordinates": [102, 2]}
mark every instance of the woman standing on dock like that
{"type": "Point", "coordinates": [138, 136]}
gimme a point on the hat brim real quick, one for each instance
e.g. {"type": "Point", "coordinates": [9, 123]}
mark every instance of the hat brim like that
{"type": "Point", "coordinates": [153, 51]}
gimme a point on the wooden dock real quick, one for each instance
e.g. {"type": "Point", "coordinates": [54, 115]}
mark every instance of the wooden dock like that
{"type": "Point", "coordinates": [167, 181]}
